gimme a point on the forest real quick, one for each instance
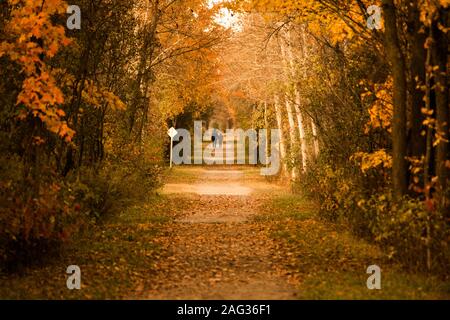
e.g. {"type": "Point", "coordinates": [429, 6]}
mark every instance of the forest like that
{"type": "Point", "coordinates": [359, 90]}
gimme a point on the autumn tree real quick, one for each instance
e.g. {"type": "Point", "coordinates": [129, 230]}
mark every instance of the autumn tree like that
{"type": "Point", "coordinates": [379, 100]}
{"type": "Point", "coordinates": [80, 108]}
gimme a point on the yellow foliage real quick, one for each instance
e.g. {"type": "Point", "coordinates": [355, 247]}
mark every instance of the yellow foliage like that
{"type": "Point", "coordinates": [337, 21]}
{"type": "Point", "coordinates": [373, 160]}
{"type": "Point", "coordinates": [99, 96]}
{"type": "Point", "coordinates": [382, 109]}
{"type": "Point", "coordinates": [429, 10]}
{"type": "Point", "coordinates": [30, 25]}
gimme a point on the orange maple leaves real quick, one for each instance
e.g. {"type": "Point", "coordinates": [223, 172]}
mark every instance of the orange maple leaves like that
{"type": "Point", "coordinates": [32, 39]}
{"type": "Point", "coordinates": [98, 96]}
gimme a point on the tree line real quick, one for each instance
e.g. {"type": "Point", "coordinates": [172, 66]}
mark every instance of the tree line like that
{"type": "Point", "coordinates": [84, 112]}
{"type": "Point", "coordinates": [364, 110]}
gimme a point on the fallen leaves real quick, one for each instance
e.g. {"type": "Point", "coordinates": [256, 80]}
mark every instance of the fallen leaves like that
{"type": "Point", "coordinates": [280, 251]}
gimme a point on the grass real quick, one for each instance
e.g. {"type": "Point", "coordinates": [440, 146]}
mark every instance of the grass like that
{"type": "Point", "coordinates": [192, 173]}
{"type": "Point", "coordinates": [183, 174]}
{"type": "Point", "coordinates": [119, 254]}
{"type": "Point", "coordinates": [113, 258]}
{"type": "Point", "coordinates": [333, 263]}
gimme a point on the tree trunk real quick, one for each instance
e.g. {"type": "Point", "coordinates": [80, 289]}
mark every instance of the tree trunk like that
{"type": "Point", "coordinates": [315, 138]}
{"type": "Point", "coordinates": [279, 117]}
{"type": "Point", "coordinates": [395, 56]}
{"type": "Point", "coordinates": [301, 130]}
{"type": "Point", "coordinates": [439, 58]}
{"type": "Point", "coordinates": [292, 135]}
{"type": "Point", "coordinates": [305, 76]}
{"type": "Point", "coordinates": [291, 74]}
{"type": "Point", "coordinates": [417, 73]}
{"type": "Point", "coordinates": [429, 136]}
{"type": "Point", "coordinates": [266, 126]}
{"type": "Point", "coordinates": [146, 54]}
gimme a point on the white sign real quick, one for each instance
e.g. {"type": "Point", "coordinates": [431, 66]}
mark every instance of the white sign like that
{"type": "Point", "coordinates": [172, 132]}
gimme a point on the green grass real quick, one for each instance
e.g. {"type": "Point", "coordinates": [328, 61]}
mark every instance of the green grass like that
{"type": "Point", "coordinates": [192, 173]}
{"type": "Point", "coordinates": [114, 257]}
{"type": "Point", "coordinates": [287, 207]}
{"type": "Point", "coordinates": [183, 174]}
{"type": "Point", "coordinates": [395, 284]}
{"type": "Point", "coordinates": [332, 262]}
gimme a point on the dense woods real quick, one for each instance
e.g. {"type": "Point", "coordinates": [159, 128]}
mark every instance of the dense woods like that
{"type": "Point", "coordinates": [364, 112]}
{"type": "Point", "coordinates": [361, 96]}
{"type": "Point", "coordinates": [83, 111]}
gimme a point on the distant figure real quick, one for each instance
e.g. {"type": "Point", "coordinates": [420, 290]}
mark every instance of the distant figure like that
{"type": "Point", "coordinates": [214, 138]}
{"type": "Point", "coordinates": [220, 138]}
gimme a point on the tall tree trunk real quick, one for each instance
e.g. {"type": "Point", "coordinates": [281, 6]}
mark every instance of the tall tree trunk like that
{"type": "Point", "coordinates": [146, 54]}
{"type": "Point", "coordinates": [266, 126]}
{"type": "Point", "coordinates": [305, 76]}
{"type": "Point", "coordinates": [417, 73]}
{"type": "Point", "coordinates": [427, 172]}
{"type": "Point", "coordinates": [301, 130]}
{"type": "Point", "coordinates": [315, 138]}
{"type": "Point", "coordinates": [439, 58]}
{"type": "Point", "coordinates": [279, 117]}
{"type": "Point", "coordinates": [291, 74]}
{"type": "Point", "coordinates": [395, 56]}
{"type": "Point", "coordinates": [292, 134]}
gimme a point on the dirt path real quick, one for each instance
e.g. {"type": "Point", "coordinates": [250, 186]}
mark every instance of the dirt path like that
{"type": "Point", "coordinates": [215, 248]}
{"type": "Point", "coordinates": [220, 233]}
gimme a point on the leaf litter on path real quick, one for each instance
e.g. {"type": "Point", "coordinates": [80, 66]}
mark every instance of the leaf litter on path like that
{"type": "Point", "coordinates": [215, 249]}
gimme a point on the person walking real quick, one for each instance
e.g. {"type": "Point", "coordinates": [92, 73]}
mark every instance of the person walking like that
{"type": "Point", "coordinates": [214, 138]}
{"type": "Point", "coordinates": [220, 138]}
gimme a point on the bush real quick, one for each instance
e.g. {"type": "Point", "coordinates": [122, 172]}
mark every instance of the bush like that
{"type": "Point", "coordinates": [36, 214]}
{"type": "Point", "coordinates": [337, 189]}
{"type": "Point", "coordinates": [413, 232]}
{"type": "Point", "coordinates": [39, 213]}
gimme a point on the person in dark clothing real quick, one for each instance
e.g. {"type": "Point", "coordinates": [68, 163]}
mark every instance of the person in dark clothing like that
{"type": "Point", "coordinates": [220, 138]}
{"type": "Point", "coordinates": [214, 138]}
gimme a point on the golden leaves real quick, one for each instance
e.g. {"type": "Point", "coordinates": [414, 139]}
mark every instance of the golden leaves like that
{"type": "Point", "coordinates": [100, 96]}
{"type": "Point", "coordinates": [382, 109]}
{"type": "Point", "coordinates": [430, 10]}
{"type": "Point", "coordinates": [373, 160]}
{"type": "Point", "coordinates": [32, 35]}
{"type": "Point", "coordinates": [447, 164]}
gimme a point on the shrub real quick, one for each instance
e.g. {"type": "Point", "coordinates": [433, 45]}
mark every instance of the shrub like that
{"type": "Point", "coordinates": [36, 214]}
{"type": "Point", "coordinates": [412, 232]}
{"type": "Point", "coordinates": [338, 189]}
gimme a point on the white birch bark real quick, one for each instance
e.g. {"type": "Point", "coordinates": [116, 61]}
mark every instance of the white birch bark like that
{"type": "Point", "coordinates": [290, 65]}
{"type": "Point", "coordinates": [279, 117]}
{"type": "Point", "coordinates": [266, 126]}
{"type": "Point", "coordinates": [301, 130]}
{"type": "Point", "coordinates": [292, 135]}
{"type": "Point", "coordinates": [315, 138]}
{"type": "Point", "coordinates": [313, 124]}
